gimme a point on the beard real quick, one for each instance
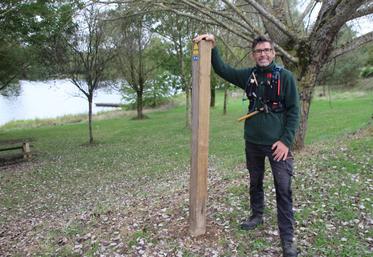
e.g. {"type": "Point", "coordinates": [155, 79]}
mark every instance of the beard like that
{"type": "Point", "coordinates": [263, 62]}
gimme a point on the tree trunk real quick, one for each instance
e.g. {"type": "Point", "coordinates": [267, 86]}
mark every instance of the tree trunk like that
{"type": "Point", "coordinates": [186, 87]}
{"type": "Point", "coordinates": [225, 99]}
{"type": "Point", "coordinates": [154, 104]}
{"type": "Point", "coordinates": [139, 105]}
{"type": "Point", "coordinates": [90, 99]}
{"type": "Point", "coordinates": [213, 92]}
{"type": "Point", "coordinates": [307, 84]}
{"type": "Point", "coordinates": [188, 118]}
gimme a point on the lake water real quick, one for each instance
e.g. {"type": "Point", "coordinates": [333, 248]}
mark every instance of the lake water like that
{"type": "Point", "coordinates": [50, 99]}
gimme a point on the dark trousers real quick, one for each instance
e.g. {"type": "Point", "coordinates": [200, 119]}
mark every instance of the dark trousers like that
{"type": "Point", "coordinates": [282, 172]}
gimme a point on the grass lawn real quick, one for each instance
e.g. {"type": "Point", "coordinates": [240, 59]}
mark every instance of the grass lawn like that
{"type": "Point", "coordinates": [127, 194]}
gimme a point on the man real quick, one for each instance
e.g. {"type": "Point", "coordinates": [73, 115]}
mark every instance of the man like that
{"type": "Point", "coordinates": [272, 92]}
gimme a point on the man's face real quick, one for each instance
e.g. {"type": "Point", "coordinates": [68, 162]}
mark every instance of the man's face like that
{"type": "Point", "coordinates": [263, 54]}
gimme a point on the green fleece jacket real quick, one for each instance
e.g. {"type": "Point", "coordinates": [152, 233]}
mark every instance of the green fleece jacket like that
{"type": "Point", "coordinates": [265, 128]}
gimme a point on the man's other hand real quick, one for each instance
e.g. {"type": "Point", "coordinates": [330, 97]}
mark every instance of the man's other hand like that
{"type": "Point", "coordinates": [281, 151]}
{"type": "Point", "coordinates": [207, 37]}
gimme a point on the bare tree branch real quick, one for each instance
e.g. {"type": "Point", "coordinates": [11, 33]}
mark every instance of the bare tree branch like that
{"type": "Point", "coordinates": [289, 14]}
{"type": "Point", "coordinates": [165, 8]}
{"type": "Point", "coordinates": [306, 11]}
{"type": "Point", "coordinates": [242, 16]}
{"type": "Point", "coordinates": [212, 14]}
{"type": "Point", "coordinates": [229, 48]}
{"type": "Point", "coordinates": [213, 21]}
{"type": "Point", "coordinates": [209, 13]}
{"type": "Point", "coordinates": [266, 14]}
{"type": "Point", "coordinates": [286, 54]}
{"type": "Point", "coordinates": [362, 12]}
{"type": "Point", "coordinates": [349, 46]}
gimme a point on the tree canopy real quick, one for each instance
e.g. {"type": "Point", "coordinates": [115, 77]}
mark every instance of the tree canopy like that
{"type": "Point", "coordinates": [303, 47]}
{"type": "Point", "coordinates": [31, 32]}
{"type": "Point", "coordinates": [26, 27]}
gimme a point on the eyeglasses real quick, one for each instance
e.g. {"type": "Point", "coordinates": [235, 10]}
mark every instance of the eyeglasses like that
{"type": "Point", "coordinates": [260, 51]}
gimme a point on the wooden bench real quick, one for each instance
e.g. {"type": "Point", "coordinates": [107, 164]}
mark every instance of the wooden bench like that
{"type": "Point", "coordinates": [108, 105]}
{"type": "Point", "coordinates": [25, 147]}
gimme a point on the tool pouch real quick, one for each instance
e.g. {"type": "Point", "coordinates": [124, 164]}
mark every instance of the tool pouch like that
{"type": "Point", "coordinates": [276, 107]}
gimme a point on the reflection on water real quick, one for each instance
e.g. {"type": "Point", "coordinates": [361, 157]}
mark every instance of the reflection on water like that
{"type": "Point", "coordinates": [49, 99]}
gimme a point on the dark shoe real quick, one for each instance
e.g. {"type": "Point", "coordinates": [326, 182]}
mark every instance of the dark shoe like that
{"type": "Point", "coordinates": [289, 249]}
{"type": "Point", "coordinates": [252, 223]}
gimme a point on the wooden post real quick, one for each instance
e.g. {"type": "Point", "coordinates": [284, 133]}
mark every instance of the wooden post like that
{"type": "Point", "coordinates": [26, 150]}
{"type": "Point", "coordinates": [201, 67]}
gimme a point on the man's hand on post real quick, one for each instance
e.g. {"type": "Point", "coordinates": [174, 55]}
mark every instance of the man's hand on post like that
{"type": "Point", "coordinates": [207, 37]}
{"type": "Point", "coordinates": [281, 151]}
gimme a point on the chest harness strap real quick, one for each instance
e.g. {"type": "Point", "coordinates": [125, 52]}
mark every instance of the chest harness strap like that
{"type": "Point", "coordinates": [271, 99]}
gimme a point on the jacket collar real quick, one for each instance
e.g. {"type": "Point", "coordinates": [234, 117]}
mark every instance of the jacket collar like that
{"type": "Point", "coordinates": [265, 69]}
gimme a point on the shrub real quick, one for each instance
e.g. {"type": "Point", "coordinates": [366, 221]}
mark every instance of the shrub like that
{"type": "Point", "coordinates": [366, 72]}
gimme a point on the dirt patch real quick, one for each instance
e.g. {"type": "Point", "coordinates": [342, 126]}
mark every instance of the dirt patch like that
{"type": "Point", "coordinates": [149, 217]}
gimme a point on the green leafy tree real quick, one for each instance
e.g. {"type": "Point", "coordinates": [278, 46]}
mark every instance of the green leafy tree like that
{"type": "Point", "coordinates": [236, 55]}
{"type": "Point", "coordinates": [26, 27]}
{"type": "Point", "coordinates": [345, 69]}
{"type": "Point", "coordinates": [157, 91]}
{"type": "Point", "coordinates": [369, 51]}
{"type": "Point", "coordinates": [141, 56]}
{"type": "Point", "coordinates": [179, 31]}
{"type": "Point", "coordinates": [84, 55]}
